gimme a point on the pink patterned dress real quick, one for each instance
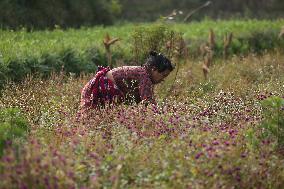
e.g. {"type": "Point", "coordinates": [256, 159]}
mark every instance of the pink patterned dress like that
{"type": "Point", "coordinates": [135, 83]}
{"type": "Point", "coordinates": [132, 84]}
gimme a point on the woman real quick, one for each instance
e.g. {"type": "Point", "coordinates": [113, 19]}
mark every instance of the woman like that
{"type": "Point", "coordinates": [125, 84]}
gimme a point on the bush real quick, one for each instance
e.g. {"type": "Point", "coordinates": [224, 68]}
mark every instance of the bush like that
{"type": "Point", "coordinates": [153, 38]}
{"type": "Point", "coordinates": [68, 60]}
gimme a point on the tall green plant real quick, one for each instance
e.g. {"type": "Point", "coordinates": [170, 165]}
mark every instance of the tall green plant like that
{"type": "Point", "coordinates": [273, 119]}
{"type": "Point", "coordinates": [157, 37]}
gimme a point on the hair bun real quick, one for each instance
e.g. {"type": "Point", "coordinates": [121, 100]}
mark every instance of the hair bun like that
{"type": "Point", "coordinates": [153, 53]}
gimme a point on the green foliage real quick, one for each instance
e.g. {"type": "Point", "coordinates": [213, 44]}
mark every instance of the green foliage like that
{"type": "Point", "coordinates": [253, 141]}
{"type": "Point", "coordinates": [78, 51]}
{"type": "Point", "coordinates": [272, 125]}
{"type": "Point", "coordinates": [258, 41]}
{"type": "Point", "coordinates": [208, 86]}
{"type": "Point", "coordinates": [51, 14]}
{"type": "Point", "coordinates": [115, 7]}
{"type": "Point", "coordinates": [152, 38]}
{"type": "Point", "coordinates": [68, 61]}
{"type": "Point", "coordinates": [12, 125]}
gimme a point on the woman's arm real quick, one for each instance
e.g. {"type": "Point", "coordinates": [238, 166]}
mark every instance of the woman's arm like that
{"type": "Point", "coordinates": [146, 91]}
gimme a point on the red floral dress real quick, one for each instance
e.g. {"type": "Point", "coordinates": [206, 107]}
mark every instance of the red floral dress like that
{"type": "Point", "coordinates": [132, 84]}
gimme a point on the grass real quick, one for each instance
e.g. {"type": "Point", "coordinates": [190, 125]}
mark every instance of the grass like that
{"type": "Point", "coordinates": [82, 50]}
{"type": "Point", "coordinates": [203, 134]}
{"type": "Point", "coordinates": [21, 44]}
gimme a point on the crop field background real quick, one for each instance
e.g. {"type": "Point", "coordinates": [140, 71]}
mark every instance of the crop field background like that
{"type": "Point", "coordinates": [81, 50]}
{"type": "Point", "coordinates": [217, 125]}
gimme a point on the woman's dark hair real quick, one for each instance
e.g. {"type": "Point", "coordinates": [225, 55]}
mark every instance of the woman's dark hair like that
{"type": "Point", "coordinates": [158, 61]}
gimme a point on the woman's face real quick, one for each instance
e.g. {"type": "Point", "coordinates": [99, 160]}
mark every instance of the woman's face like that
{"type": "Point", "coordinates": [158, 77]}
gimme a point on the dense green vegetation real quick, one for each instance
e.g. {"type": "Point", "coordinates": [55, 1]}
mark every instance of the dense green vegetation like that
{"type": "Point", "coordinates": [42, 14]}
{"type": "Point", "coordinates": [78, 51]}
{"type": "Point", "coordinates": [33, 14]}
{"type": "Point", "coordinates": [136, 10]}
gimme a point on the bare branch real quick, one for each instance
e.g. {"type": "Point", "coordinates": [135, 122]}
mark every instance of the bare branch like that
{"type": "Point", "coordinates": [196, 10]}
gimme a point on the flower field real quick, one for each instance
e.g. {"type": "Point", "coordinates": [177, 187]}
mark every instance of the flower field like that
{"type": "Point", "coordinates": [225, 131]}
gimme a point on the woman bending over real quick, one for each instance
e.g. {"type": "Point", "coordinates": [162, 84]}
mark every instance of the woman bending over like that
{"type": "Point", "coordinates": [125, 84]}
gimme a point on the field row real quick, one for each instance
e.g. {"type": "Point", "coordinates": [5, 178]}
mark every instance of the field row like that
{"type": "Point", "coordinates": [78, 51]}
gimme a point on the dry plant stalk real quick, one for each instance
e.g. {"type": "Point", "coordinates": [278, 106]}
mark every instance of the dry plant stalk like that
{"type": "Point", "coordinates": [177, 49]}
{"type": "Point", "coordinates": [208, 59]}
{"type": "Point", "coordinates": [207, 51]}
{"type": "Point", "coordinates": [181, 49]}
{"type": "Point", "coordinates": [170, 45]}
{"type": "Point", "coordinates": [205, 70]}
{"type": "Point", "coordinates": [107, 43]}
{"type": "Point", "coordinates": [227, 42]}
{"type": "Point", "coordinates": [196, 10]}
{"type": "Point", "coordinates": [202, 49]}
{"type": "Point", "coordinates": [211, 39]}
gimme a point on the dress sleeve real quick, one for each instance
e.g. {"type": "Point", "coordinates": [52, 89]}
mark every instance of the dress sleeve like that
{"type": "Point", "coordinates": [146, 90]}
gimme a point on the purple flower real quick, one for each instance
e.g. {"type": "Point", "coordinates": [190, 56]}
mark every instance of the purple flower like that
{"type": "Point", "coordinates": [46, 181]}
{"type": "Point", "coordinates": [231, 131]}
{"type": "Point", "coordinates": [94, 155]}
{"type": "Point", "coordinates": [8, 142]}
{"type": "Point", "coordinates": [238, 178]}
{"type": "Point", "coordinates": [215, 142]}
{"type": "Point", "coordinates": [197, 156]}
{"type": "Point", "coordinates": [266, 142]}
{"type": "Point", "coordinates": [8, 159]}
{"type": "Point", "coordinates": [227, 143]}
{"type": "Point", "coordinates": [209, 149]}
